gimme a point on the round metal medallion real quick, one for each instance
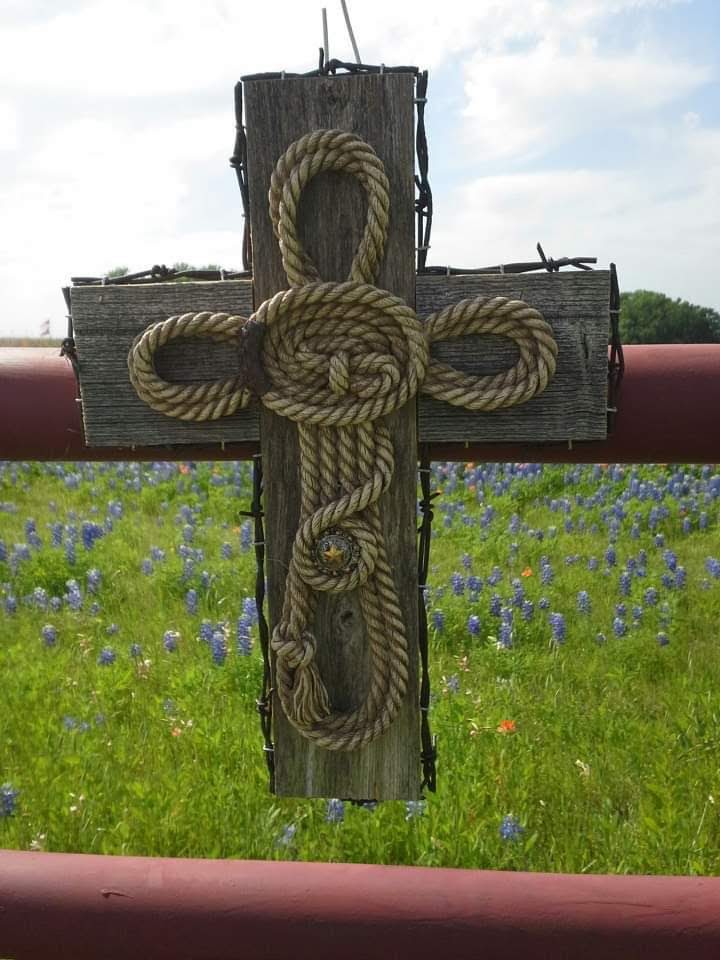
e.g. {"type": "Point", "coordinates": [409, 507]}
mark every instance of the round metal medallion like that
{"type": "Point", "coordinates": [336, 551]}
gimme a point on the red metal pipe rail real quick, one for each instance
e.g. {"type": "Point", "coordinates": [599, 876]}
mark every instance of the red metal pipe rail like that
{"type": "Point", "coordinates": [669, 405]}
{"type": "Point", "coordinates": [81, 907]}
{"type": "Point", "coordinates": [70, 905]}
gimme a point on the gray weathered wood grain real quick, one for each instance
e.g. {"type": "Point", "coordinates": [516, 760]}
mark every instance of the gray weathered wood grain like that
{"type": "Point", "coordinates": [106, 320]}
{"type": "Point", "coordinates": [332, 212]}
{"type": "Point", "coordinates": [573, 406]}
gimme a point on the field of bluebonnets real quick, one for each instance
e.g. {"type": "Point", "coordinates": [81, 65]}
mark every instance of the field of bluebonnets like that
{"type": "Point", "coordinates": [575, 655]}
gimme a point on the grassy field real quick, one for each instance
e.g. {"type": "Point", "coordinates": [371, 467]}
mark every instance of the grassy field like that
{"type": "Point", "coordinates": [574, 734]}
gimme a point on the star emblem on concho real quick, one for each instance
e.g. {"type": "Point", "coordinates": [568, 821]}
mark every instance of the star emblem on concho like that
{"type": "Point", "coordinates": [336, 552]}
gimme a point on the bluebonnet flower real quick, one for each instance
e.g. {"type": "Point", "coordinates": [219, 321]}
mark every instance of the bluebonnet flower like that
{"type": "Point", "coordinates": [511, 828]}
{"type": "Point", "coordinates": [625, 583]}
{"type": "Point", "coordinates": [40, 598]}
{"type": "Point", "coordinates": [414, 809]}
{"type": "Point", "coordinates": [73, 597]}
{"type": "Point", "coordinates": [170, 640]}
{"type": "Point", "coordinates": [135, 650]}
{"type": "Point", "coordinates": [287, 836]}
{"type": "Point", "coordinates": [495, 604]}
{"type": "Point", "coordinates": [112, 628]}
{"type": "Point", "coordinates": [206, 631]}
{"type": "Point", "coordinates": [191, 601]}
{"type": "Point", "coordinates": [518, 593]}
{"type": "Point", "coordinates": [668, 581]}
{"type": "Point", "coordinates": [188, 533]}
{"type": "Point", "coordinates": [600, 638]}
{"type": "Point", "coordinates": [650, 597]}
{"type": "Point", "coordinates": [546, 573]}
{"type": "Point", "coordinates": [659, 540]}
{"type": "Point", "coordinates": [49, 635]}
{"type": "Point", "coordinates": [55, 604]}
{"type": "Point", "coordinates": [558, 627]}
{"type": "Point", "coordinates": [527, 610]}
{"type": "Point", "coordinates": [458, 584]}
{"type": "Point", "coordinates": [637, 613]}
{"type": "Point", "coordinates": [250, 609]}
{"type": "Point", "coordinates": [662, 639]}
{"type": "Point", "coordinates": [99, 719]}
{"type": "Point", "coordinates": [90, 533]}
{"type": "Point", "coordinates": [670, 559]}
{"type": "Point", "coordinates": [115, 509]}
{"type": "Point", "coordinates": [335, 812]}
{"type": "Point", "coordinates": [620, 610]}
{"type": "Point", "coordinates": [681, 577]}
{"type": "Point", "coordinates": [246, 536]}
{"type": "Point", "coordinates": [157, 554]}
{"type": "Point", "coordinates": [474, 584]}
{"type": "Point", "coordinates": [635, 532]}
{"type": "Point", "coordinates": [8, 799]}
{"type": "Point", "coordinates": [543, 603]}
{"type": "Point", "coordinates": [593, 563]}
{"type": "Point", "coordinates": [188, 568]}
{"type": "Point", "coordinates": [244, 640]}
{"type": "Point", "coordinates": [712, 565]}
{"type": "Point", "coordinates": [218, 647]}
{"type": "Point", "coordinates": [70, 553]}
{"type": "Point", "coordinates": [505, 635]}
{"type": "Point", "coordinates": [146, 567]}
{"type": "Point", "coordinates": [94, 609]}
{"type": "Point", "coordinates": [83, 726]}
{"type": "Point", "coordinates": [206, 580]}
{"type": "Point", "coordinates": [94, 580]}
{"type": "Point", "coordinates": [107, 657]}
{"type": "Point", "coordinates": [70, 723]}
{"type": "Point", "coordinates": [438, 620]}
{"type": "Point", "coordinates": [452, 683]}
{"type": "Point", "coordinates": [584, 603]}
{"type": "Point", "coordinates": [226, 551]}
{"type": "Point", "coordinates": [619, 627]}
{"type": "Point", "coordinates": [610, 556]}
{"type": "Point", "coordinates": [495, 577]}
{"type": "Point", "coordinates": [473, 625]}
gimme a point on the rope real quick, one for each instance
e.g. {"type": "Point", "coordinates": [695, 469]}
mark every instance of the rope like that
{"type": "Point", "coordinates": [336, 358]}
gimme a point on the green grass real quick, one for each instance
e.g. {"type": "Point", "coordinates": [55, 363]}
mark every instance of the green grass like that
{"type": "Point", "coordinates": [613, 765]}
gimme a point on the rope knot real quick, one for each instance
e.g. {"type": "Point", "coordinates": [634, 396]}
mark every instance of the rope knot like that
{"type": "Point", "coordinates": [339, 373]}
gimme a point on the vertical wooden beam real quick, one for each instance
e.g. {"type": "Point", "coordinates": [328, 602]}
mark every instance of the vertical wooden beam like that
{"type": "Point", "coordinates": [378, 108]}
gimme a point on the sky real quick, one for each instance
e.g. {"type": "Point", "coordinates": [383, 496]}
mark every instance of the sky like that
{"type": "Point", "coordinates": [592, 126]}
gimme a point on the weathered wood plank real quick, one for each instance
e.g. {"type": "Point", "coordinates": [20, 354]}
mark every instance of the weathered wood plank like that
{"type": "Point", "coordinates": [573, 407]}
{"type": "Point", "coordinates": [380, 109]}
{"type": "Point", "coordinates": [106, 320]}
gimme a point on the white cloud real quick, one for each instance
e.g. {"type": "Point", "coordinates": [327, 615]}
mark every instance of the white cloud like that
{"type": "Point", "coordinates": [8, 126]}
{"type": "Point", "coordinates": [520, 104]}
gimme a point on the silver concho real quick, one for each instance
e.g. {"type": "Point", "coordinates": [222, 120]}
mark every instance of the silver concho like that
{"type": "Point", "coordinates": [336, 552]}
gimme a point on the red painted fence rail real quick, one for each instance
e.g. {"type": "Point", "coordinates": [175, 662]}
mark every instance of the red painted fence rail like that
{"type": "Point", "coordinates": [81, 907]}
{"type": "Point", "coordinates": [111, 908]}
{"type": "Point", "coordinates": [669, 405]}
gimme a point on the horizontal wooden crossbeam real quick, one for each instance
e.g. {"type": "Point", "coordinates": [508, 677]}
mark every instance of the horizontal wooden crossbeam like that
{"type": "Point", "coordinates": [576, 304]}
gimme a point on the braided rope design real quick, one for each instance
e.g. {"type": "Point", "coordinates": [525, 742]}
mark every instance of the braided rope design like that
{"type": "Point", "coordinates": [338, 357]}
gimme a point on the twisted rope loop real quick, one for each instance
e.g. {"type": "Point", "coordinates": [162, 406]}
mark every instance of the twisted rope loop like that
{"type": "Point", "coordinates": [336, 359]}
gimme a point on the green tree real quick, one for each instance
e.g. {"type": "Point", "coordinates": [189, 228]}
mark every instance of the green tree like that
{"type": "Point", "coordinates": [116, 272]}
{"type": "Point", "coordinates": [649, 317]}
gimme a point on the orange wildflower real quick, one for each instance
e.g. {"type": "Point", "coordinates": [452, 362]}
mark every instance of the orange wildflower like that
{"type": "Point", "coordinates": [527, 572]}
{"type": "Point", "coordinates": [184, 468]}
{"type": "Point", "coordinates": [506, 726]}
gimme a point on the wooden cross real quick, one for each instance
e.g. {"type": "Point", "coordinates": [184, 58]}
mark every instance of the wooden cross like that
{"type": "Point", "coordinates": [379, 108]}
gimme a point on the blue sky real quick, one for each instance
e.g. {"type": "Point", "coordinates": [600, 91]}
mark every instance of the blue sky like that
{"type": "Point", "coordinates": [591, 125]}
